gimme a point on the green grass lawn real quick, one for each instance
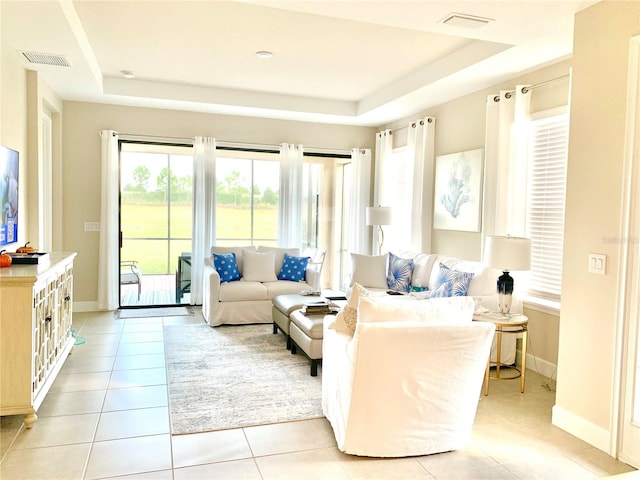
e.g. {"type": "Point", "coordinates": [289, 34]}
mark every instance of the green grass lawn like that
{"type": "Point", "coordinates": [145, 229]}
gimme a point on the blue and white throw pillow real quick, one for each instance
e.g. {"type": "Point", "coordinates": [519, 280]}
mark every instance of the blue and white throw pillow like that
{"type": "Point", "coordinates": [451, 283]}
{"type": "Point", "coordinates": [293, 268]}
{"type": "Point", "coordinates": [399, 273]}
{"type": "Point", "coordinates": [226, 266]}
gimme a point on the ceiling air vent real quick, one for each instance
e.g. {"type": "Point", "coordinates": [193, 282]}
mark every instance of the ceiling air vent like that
{"type": "Point", "coordinates": [465, 21]}
{"type": "Point", "coordinates": [46, 59]}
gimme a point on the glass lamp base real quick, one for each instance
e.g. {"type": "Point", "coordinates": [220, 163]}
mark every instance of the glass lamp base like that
{"type": "Point", "coordinates": [504, 302]}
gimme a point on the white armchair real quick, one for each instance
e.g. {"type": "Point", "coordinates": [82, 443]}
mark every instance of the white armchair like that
{"type": "Point", "coordinates": [403, 388]}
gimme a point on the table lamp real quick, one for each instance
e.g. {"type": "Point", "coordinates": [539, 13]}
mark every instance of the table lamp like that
{"type": "Point", "coordinates": [507, 253]}
{"type": "Point", "coordinates": [378, 216]}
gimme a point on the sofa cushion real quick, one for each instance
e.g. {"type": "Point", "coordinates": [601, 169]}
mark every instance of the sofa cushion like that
{"type": "Point", "coordinates": [347, 318]}
{"type": "Point", "coordinates": [369, 270]}
{"type": "Point", "coordinates": [451, 283]}
{"type": "Point", "coordinates": [447, 310]}
{"type": "Point", "coordinates": [242, 290]}
{"type": "Point", "coordinates": [282, 287]}
{"type": "Point", "coordinates": [226, 266]}
{"type": "Point", "coordinates": [399, 273]}
{"type": "Point", "coordinates": [293, 268]}
{"type": "Point", "coordinates": [279, 255]}
{"type": "Point", "coordinates": [259, 266]}
{"type": "Point", "coordinates": [237, 250]}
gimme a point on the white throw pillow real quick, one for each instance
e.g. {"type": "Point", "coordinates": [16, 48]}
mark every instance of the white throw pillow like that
{"type": "Point", "coordinates": [443, 310]}
{"type": "Point", "coordinates": [369, 270]}
{"type": "Point", "coordinates": [259, 267]}
{"type": "Point", "coordinates": [347, 317]}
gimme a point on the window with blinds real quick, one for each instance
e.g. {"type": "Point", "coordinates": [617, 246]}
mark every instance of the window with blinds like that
{"type": "Point", "coordinates": [546, 188]}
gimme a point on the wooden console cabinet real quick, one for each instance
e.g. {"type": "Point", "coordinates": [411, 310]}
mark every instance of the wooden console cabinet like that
{"type": "Point", "coordinates": [35, 331]}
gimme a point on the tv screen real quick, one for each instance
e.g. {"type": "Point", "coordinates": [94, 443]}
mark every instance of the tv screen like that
{"type": "Point", "coordinates": [8, 195]}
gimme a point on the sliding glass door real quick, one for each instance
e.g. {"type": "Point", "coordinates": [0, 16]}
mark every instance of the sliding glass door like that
{"type": "Point", "coordinates": [155, 223]}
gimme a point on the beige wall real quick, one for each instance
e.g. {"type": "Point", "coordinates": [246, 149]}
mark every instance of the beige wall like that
{"type": "Point", "coordinates": [13, 122]}
{"type": "Point", "coordinates": [586, 363]}
{"type": "Point", "coordinates": [460, 126]}
{"type": "Point", "coordinates": [81, 183]}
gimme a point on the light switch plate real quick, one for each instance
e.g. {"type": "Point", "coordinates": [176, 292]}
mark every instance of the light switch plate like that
{"type": "Point", "coordinates": [91, 226]}
{"type": "Point", "coordinates": [597, 263]}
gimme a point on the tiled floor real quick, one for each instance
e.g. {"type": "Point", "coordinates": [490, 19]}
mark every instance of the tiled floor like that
{"type": "Point", "coordinates": [107, 416]}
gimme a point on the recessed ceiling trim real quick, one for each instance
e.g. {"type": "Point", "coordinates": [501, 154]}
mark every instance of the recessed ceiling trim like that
{"type": "Point", "coordinates": [465, 21]}
{"type": "Point", "coordinates": [46, 59]}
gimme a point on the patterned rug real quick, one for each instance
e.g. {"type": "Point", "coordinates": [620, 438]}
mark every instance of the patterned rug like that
{"type": "Point", "coordinates": [236, 376]}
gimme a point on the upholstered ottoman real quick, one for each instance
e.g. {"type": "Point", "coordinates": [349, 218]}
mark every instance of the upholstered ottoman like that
{"type": "Point", "coordinates": [305, 332]}
{"type": "Point", "coordinates": [282, 307]}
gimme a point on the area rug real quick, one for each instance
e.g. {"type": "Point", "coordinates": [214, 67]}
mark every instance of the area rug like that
{"type": "Point", "coordinates": [236, 376]}
{"type": "Point", "coordinates": [153, 312]}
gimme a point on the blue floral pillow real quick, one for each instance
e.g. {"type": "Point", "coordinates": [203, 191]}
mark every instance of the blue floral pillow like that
{"type": "Point", "coordinates": [451, 283]}
{"type": "Point", "coordinates": [226, 266]}
{"type": "Point", "coordinates": [293, 268]}
{"type": "Point", "coordinates": [399, 273]}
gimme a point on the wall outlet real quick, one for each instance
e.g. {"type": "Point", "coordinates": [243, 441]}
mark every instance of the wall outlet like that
{"type": "Point", "coordinates": [91, 226]}
{"type": "Point", "coordinates": [597, 263]}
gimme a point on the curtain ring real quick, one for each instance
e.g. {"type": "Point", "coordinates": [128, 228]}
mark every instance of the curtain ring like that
{"type": "Point", "coordinates": [413, 125]}
{"type": "Point", "coordinates": [496, 98]}
{"type": "Point", "coordinates": [429, 120]}
{"type": "Point", "coordinates": [421, 122]}
{"type": "Point", "coordinates": [508, 95]}
{"type": "Point", "coordinates": [524, 89]}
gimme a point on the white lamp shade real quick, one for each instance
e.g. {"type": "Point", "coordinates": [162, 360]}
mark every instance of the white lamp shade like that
{"type": "Point", "coordinates": [378, 216]}
{"type": "Point", "coordinates": [507, 253]}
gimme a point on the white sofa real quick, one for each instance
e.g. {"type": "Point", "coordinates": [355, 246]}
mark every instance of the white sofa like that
{"type": "Point", "coordinates": [407, 382]}
{"type": "Point", "coordinates": [371, 272]}
{"type": "Point", "coordinates": [249, 300]}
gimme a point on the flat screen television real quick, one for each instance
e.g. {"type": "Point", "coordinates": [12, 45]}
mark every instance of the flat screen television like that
{"type": "Point", "coordinates": [9, 162]}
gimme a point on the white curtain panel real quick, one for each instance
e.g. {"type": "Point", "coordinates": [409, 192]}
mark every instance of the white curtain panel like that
{"type": "Point", "coordinates": [204, 210]}
{"type": "Point", "coordinates": [382, 197]}
{"type": "Point", "coordinates": [108, 256]}
{"type": "Point", "coordinates": [420, 143]}
{"type": "Point", "coordinates": [505, 171]}
{"type": "Point", "coordinates": [359, 232]}
{"type": "Point", "coordinates": [290, 211]}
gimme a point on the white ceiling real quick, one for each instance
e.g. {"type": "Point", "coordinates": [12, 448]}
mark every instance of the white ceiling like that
{"type": "Point", "coordinates": [352, 62]}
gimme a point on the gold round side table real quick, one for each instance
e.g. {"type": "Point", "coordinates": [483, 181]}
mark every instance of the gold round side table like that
{"type": "Point", "coordinates": [511, 323]}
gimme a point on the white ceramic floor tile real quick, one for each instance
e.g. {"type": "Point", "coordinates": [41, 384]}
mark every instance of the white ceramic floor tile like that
{"type": "Point", "coordinates": [136, 397]}
{"type": "Point", "coordinates": [134, 362]}
{"type": "Point", "coordinates": [55, 431]}
{"type": "Point", "coordinates": [142, 327]}
{"type": "Point", "coordinates": [209, 447]}
{"type": "Point", "coordinates": [461, 461]}
{"type": "Point", "coordinates": [129, 456]}
{"type": "Point", "coordinates": [317, 464]}
{"type": "Point", "coordinates": [71, 403]}
{"type": "Point", "coordinates": [141, 348]}
{"type": "Point", "coordinates": [236, 470]}
{"type": "Point", "coordinates": [133, 423]}
{"type": "Point", "coordinates": [138, 378]}
{"type": "Point", "coordinates": [79, 363]}
{"type": "Point", "coordinates": [552, 467]}
{"type": "Point", "coordinates": [363, 468]}
{"type": "Point", "coordinates": [141, 337]}
{"type": "Point", "coordinates": [285, 437]}
{"type": "Point", "coordinates": [160, 475]}
{"type": "Point", "coordinates": [81, 382]}
{"type": "Point", "coordinates": [49, 463]}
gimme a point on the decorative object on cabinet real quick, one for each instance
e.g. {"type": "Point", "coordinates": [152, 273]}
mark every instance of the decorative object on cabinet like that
{"type": "Point", "coordinates": [458, 191]}
{"type": "Point", "coordinates": [36, 332]}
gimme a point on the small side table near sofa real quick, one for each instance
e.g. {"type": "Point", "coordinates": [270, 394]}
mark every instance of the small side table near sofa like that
{"type": "Point", "coordinates": [509, 323]}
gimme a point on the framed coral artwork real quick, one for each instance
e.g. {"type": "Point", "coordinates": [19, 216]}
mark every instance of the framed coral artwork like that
{"type": "Point", "coordinates": [458, 191]}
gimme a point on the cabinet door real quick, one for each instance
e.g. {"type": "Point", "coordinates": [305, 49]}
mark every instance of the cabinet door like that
{"type": "Point", "coordinates": [46, 311]}
{"type": "Point", "coordinates": [65, 301]}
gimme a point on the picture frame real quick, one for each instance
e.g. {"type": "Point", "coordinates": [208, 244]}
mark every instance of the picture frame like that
{"type": "Point", "coordinates": [458, 191]}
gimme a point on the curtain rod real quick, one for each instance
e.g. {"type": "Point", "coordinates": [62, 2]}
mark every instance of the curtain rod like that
{"type": "Point", "coordinates": [412, 125]}
{"type": "Point", "coordinates": [222, 143]}
{"type": "Point", "coordinates": [531, 87]}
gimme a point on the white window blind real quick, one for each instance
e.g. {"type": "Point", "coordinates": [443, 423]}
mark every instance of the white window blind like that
{"type": "Point", "coordinates": [546, 188]}
{"type": "Point", "coordinates": [396, 191]}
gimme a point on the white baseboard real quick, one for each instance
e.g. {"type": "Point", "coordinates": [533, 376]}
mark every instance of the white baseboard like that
{"type": "Point", "coordinates": [539, 365]}
{"type": "Point", "coordinates": [85, 307]}
{"type": "Point", "coordinates": [579, 427]}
